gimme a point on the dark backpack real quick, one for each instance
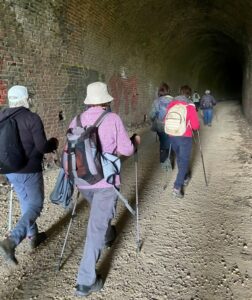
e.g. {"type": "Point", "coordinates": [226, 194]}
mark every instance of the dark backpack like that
{"type": "Point", "coordinates": [12, 154]}
{"type": "Point", "coordinates": [207, 101]}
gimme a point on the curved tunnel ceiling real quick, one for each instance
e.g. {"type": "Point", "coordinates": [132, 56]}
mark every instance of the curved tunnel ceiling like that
{"type": "Point", "coordinates": [207, 40]}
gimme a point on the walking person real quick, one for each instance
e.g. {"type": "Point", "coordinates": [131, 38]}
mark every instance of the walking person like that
{"type": "Point", "coordinates": [157, 114]}
{"type": "Point", "coordinates": [182, 143]}
{"type": "Point", "coordinates": [101, 196]}
{"type": "Point", "coordinates": [28, 181]}
{"type": "Point", "coordinates": [196, 99]}
{"type": "Point", "coordinates": [207, 102]}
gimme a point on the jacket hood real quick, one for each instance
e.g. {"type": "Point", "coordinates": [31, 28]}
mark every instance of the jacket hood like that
{"type": "Point", "coordinates": [8, 112]}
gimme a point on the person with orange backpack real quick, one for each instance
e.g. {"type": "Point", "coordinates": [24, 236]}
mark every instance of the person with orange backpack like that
{"type": "Point", "coordinates": [180, 121]}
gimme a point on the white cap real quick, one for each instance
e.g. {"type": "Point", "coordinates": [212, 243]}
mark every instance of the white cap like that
{"type": "Point", "coordinates": [207, 92]}
{"type": "Point", "coordinates": [97, 93]}
{"type": "Point", "coordinates": [18, 96]}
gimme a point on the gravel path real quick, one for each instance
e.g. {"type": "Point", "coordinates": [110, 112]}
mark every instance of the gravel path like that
{"type": "Point", "coordinates": [199, 247]}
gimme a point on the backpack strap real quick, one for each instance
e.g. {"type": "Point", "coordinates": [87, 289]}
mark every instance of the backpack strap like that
{"type": "Point", "coordinates": [100, 119]}
{"type": "Point", "coordinates": [78, 121]}
{"type": "Point", "coordinates": [96, 123]}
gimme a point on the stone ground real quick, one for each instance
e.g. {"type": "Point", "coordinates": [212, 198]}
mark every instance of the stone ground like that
{"type": "Point", "coordinates": [199, 247]}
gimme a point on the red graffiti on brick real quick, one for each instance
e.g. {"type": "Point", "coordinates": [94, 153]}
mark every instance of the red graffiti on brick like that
{"type": "Point", "coordinates": [3, 92]}
{"type": "Point", "coordinates": [124, 90]}
{"type": "Point", "coordinates": [3, 86]}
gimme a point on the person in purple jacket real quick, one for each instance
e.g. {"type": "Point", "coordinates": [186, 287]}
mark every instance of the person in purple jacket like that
{"type": "Point", "coordinates": [27, 182]}
{"type": "Point", "coordinates": [101, 197]}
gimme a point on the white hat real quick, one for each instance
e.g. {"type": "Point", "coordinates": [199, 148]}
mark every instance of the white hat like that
{"type": "Point", "coordinates": [97, 93]}
{"type": "Point", "coordinates": [207, 92]}
{"type": "Point", "coordinates": [18, 96]}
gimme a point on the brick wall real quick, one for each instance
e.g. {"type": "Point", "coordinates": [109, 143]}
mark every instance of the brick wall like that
{"type": "Point", "coordinates": [56, 48]}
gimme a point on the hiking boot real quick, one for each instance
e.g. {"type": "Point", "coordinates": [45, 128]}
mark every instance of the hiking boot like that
{"type": "Point", "coordinates": [113, 235]}
{"type": "Point", "coordinates": [177, 193]}
{"type": "Point", "coordinates": [84, 291]}
{"type": "Point", "coordinates": [37, 239]}
{"type": "Point", "coordinates": [7, 250]}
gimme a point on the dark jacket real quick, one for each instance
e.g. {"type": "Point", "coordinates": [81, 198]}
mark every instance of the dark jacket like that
{"type": "Point", "coordinates": [207, 102]}
{"type": "Point", "coordinates": [32, 136]}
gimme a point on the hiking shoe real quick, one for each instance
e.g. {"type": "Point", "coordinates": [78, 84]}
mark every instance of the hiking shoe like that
{"type": "Point", "coordinates": [113, 235]}
{"type": "Point", "coordinates": [177, 193]}
{"type": "Point", "coordinates": [36, 240]}
{"type": "Point", "coordinates": [7, 250]}
{"type": "Point", "coordinates": [84, 291]}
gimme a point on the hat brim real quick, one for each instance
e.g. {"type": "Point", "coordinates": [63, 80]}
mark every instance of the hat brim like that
{"type": "Point", "coordinates": [92, 101]}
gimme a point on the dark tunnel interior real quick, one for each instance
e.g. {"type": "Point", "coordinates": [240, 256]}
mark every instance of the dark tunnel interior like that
{"type": "Point", "coordinates": [205, 39]}
{"type": "Point", "coordinates": [223, 66]}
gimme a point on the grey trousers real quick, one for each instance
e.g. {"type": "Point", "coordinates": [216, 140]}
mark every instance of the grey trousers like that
{"type": "Point", "coordinates": [102, 210]}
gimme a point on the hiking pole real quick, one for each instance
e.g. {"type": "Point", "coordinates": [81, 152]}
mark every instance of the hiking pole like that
{"type": "Point", "coordinates": [66, 237]}
{"type": "Point", "coordinates": [202, 159]}
{"type": "Point", "coordinates": [138, 241]}
{"type": "Point", "coordinates": [10, 208]}
{"type": "Point", "coordinates": [169, 155]}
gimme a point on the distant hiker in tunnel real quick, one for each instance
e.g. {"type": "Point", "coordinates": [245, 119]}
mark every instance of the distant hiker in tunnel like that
{"type": "Point", "coordinates": [207, 102]}
{"type": "Point", "coordinates": [181, 119]}
{"type": "Point", "coordinates": [157, 114]}
{"type": "Point", "coordinates": [27, 180]}
{"type": "Point", "coordinates": [196, 99]}
{"type": "Point", "coordinates": [101, 196]}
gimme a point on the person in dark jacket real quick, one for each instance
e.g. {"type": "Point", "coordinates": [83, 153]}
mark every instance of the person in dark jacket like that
{"type": "Point", "coordinates": [207, 102]}
{"type": "Point", "coordinates": [27, 182]}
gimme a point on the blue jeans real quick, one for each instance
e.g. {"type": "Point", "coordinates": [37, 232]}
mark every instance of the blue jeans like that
{"type": "Point", "coordinates": [102, 210]}
{"type": "Point", "coordinates": [164, 141]}
{"type": "Point", "coordinates": [182, 146]}
{"type": "Point", "coordinates": [29, 188]}
{"type": "Point", "coordinates": [207, 116]}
